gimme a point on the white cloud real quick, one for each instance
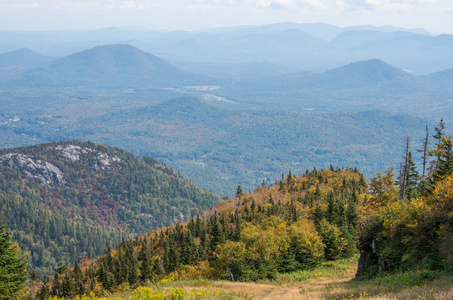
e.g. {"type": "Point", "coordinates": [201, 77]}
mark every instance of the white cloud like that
{"type": "Point", "coordinates": [386, 4]}
{"type": "Point", "coordinates": [276, 4]}
{"type": "Point", "coordinates": [71, 4]}
{"type": "Point", "coordinates": [306, 4]}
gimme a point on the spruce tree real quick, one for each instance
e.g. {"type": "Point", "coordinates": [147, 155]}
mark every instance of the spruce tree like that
{"type": "Point", "coordinates": [445, 159]}
{"type": "Point", "coordinates": [239, 191]}
{"type": "Point", "coordinates": [13, 266]}
{"type": "Point", "coordinates": [411, 178]}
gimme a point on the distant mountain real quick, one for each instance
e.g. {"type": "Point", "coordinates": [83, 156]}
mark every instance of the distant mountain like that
{"type": "Point", "coordinates": [115, 66]}
{"type": "Point", "coordinates": [442, 79]}
{"type": "Point", "coordinates": [72, 199]}
{"type": "Point", "coordinates": [355, 39]}
{"type": "Point", "coordinates": [22, 58]}
{"type": "Point", "coordinates": [408, 49]}
{"type": "Point", "coordinates": [368, 84]}
{"type": "Point", "coordinates": [18, 61]}
{"type": "Point", "coordinates": [367, 73]}
{"type": "Point", "coordinates": [422, 54]}
{"type": "Point", "coordinates": [324, 31]}
{"type": "Point", "coordinates": [233, 47]}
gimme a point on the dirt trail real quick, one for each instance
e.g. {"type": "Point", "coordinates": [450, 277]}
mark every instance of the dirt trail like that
{"type": "Point", "coordinates": [309, 289]}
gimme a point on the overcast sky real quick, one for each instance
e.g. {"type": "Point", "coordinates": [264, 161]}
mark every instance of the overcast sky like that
{"type": "Point", "coordinates": [433, 15]}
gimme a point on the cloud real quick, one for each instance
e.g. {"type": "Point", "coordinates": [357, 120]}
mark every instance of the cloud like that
{"type": "Point", "coordinates": [58, 4]}
{"type": "Point", "coordinates": [307, 4]}
{"type": "Point", "coordinates": [385, 4]}
{"type": "Point", "coordinates": [275, 4]}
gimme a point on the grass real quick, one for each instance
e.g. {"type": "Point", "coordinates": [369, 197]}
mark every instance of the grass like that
{"type": "Point", "coordinates": [333, 270]}
{"type": "Point", "coordinates": [425, 284]}
{"type": "Point", "coordinates": [330, 281]}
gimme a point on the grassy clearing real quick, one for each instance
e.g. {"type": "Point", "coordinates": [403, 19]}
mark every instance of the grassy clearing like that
{"type": "Point", "coordinates": [330, 281]}
{"type": "Point", "coordinates": [425, 284]}
{"type": "Point", "coordinates": [342, 269]}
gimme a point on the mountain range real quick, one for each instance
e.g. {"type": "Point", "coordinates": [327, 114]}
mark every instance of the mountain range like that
{"type": "Point", "coordinates": [289, 46]}
{"type": "Point", "coordinates": [368, 84]}
{"type": "Point", "coordinates": [251, 129]}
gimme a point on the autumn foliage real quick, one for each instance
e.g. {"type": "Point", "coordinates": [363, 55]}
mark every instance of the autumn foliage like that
{"type": "Point", "coordinates": [294, 224]}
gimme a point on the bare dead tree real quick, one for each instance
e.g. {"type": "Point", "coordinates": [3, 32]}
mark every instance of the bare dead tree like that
{"type": "Point", "coordinates": [404, 169]}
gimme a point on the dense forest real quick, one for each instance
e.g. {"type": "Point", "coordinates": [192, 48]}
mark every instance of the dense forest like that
{"type": "Point", "coordinates": [215, 145]}
{"type": "Point", "coordinates": [294, 224]}
{"type": "Point", "coordinates": [67, 200]}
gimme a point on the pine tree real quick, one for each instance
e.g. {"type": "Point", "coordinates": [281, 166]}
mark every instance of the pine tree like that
{"type": "Point", "coordinates": [411, 178]}
{"type": "Point", "coordinates": [239, 192]}
{"type": "Point", "coordinates": [445, 159]}
{"type": "Point", "coordinates": [290, 178]}
{"type": "Point", "coordinates": [13, 266]}
{"type": "Point", "coordinates": [145, 267]}
{"type": "Point", "coordinates": [439, 135]}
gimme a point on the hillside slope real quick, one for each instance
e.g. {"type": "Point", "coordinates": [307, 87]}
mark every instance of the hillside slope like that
{"type": "Point", "coordinates": [237, 146]}
{"type": "Point", "coordinates": [292, 225]}
{"type": "Point", "coordinates": [67, 200]}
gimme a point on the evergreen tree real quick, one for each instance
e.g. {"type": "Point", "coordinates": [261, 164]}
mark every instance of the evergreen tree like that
{"type": "Point", "coordinates": [290, 178]}
{"type": "Point", "coordinates": [13, 266]}
{"type": "Point", "coordinates": [411, 178]}
{"type": "Point", "coordinates": [239, 192]}
{"type": "Point", "coordinates": [445, 159]}
{"type": "Point", "coordinates": [439, 135]}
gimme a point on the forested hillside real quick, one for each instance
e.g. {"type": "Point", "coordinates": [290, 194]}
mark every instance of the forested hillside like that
{"type": "Point", "coordinates": [220, 148]}
{"type": "Point", "coordinates": [294, 224]}
{"type": "Point", "coordinates": [67, 200]}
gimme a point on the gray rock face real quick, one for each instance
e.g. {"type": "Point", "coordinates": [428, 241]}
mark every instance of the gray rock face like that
{"type": "Point", "coordinates": [72, 152]}
{"type": "Point", "coordinates": [103, 161]}
{"type": "Point", "coordinates": [44, 172]}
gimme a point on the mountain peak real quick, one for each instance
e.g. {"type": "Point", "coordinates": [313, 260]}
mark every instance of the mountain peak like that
{"type": "Point", "coordinates": [118, 57]}
{"type": "Point", "coordinates": [369, 72]}
{"type": "Point", "coordinates": [23, 57]}
{"type": "Point", "coordinates": [119, 66]}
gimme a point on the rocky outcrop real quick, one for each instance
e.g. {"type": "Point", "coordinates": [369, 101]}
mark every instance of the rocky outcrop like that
{"type": "Point", "coordinates": [46, 173]}
{"type": "Point", "coordinates": [105, 162]}
{"type": "Point", "coordinates": [43, 172]}
{"type": "Point", "coordinates": [102, 161]}
{"type": "Point", "coordinates": [72, 152]}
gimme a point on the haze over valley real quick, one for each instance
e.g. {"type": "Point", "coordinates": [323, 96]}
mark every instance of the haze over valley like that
{"type": "Point", "coordinates": [252, 102]}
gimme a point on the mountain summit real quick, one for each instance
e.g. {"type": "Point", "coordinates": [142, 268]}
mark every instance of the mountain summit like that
{"type": "Point", "coordinates": [367, 72]}
{"type": "Point", "coordinates": [116, 66]}
{"type": "Point", "coordinates": [22, 58]}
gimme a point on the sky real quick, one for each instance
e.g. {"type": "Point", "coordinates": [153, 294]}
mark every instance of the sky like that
{"type": "Point", "coordinates": [433, 15]}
